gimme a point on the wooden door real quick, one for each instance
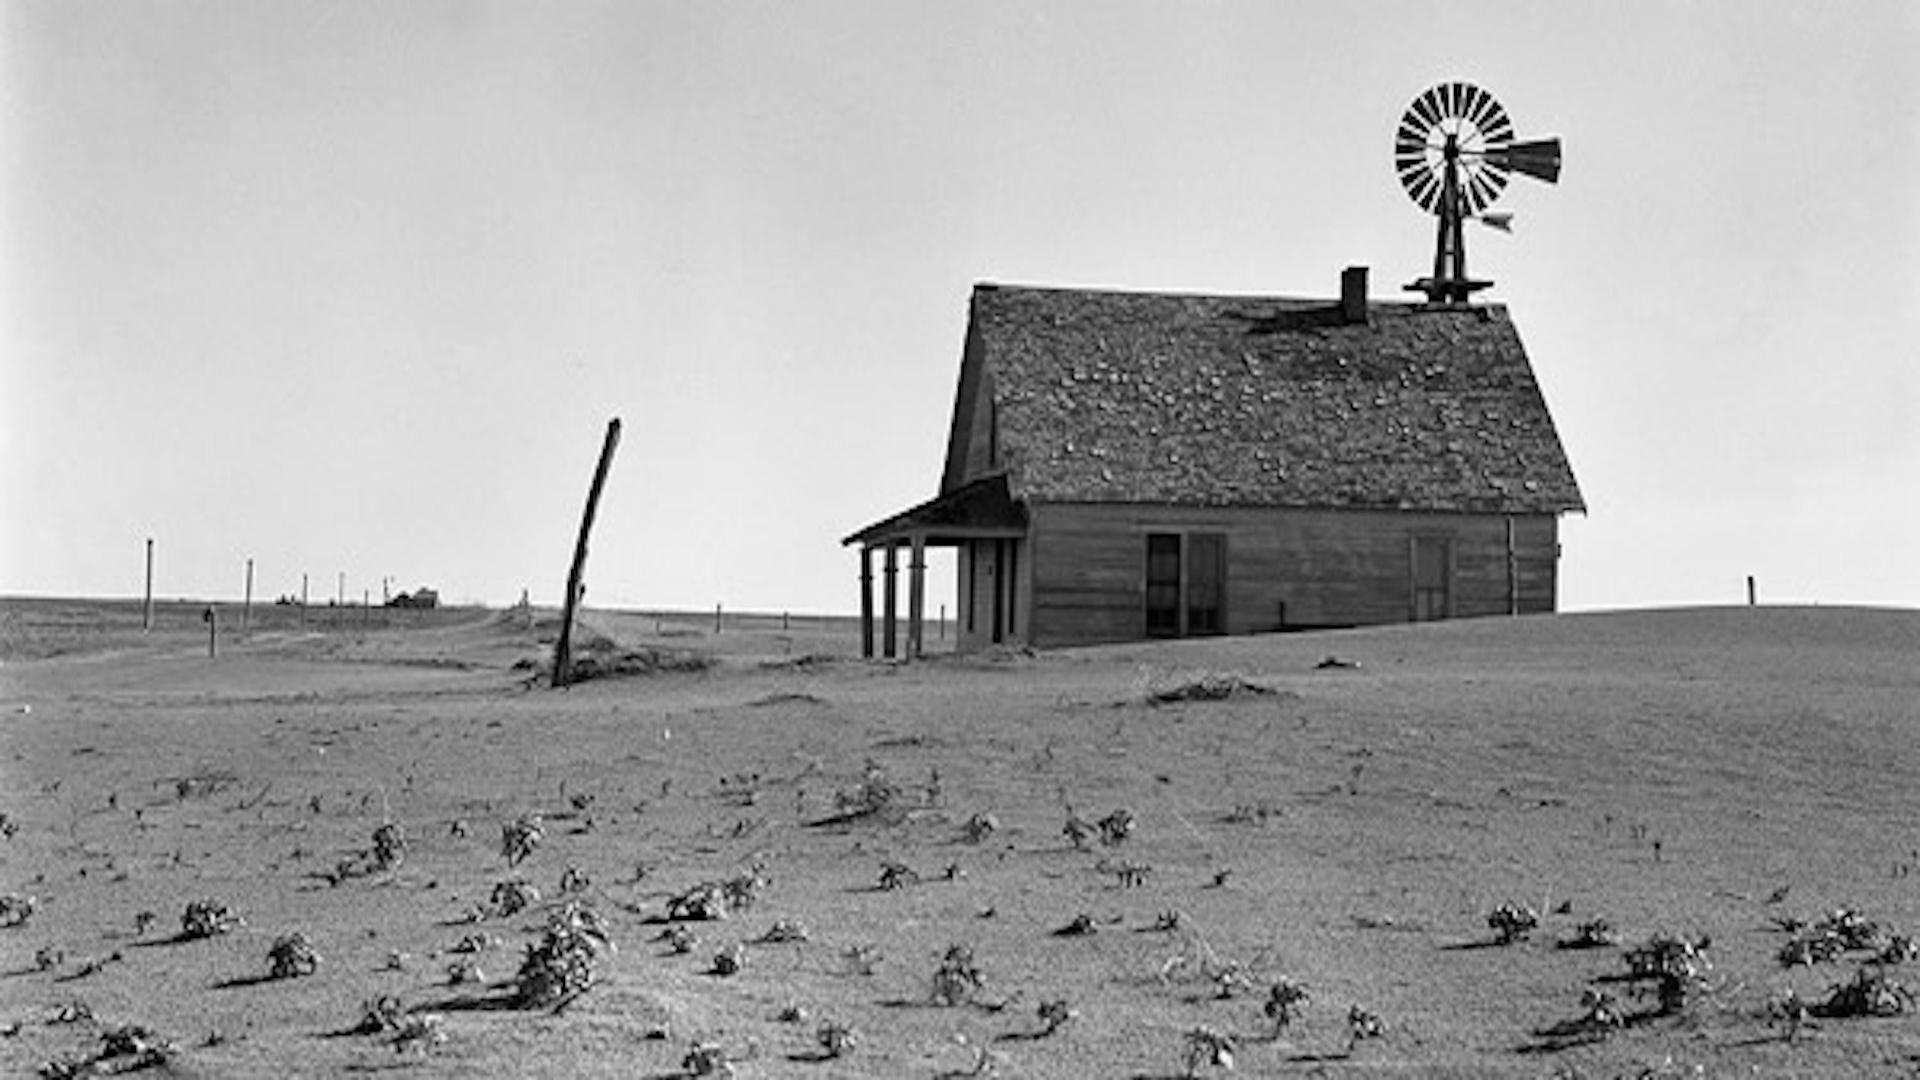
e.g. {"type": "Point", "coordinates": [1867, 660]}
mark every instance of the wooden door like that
{"type": "Point", "coordinates": [1432, 578]}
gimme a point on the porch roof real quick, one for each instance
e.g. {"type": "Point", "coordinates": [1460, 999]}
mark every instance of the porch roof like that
{"type": "Point", "coordinates": [983, 508]}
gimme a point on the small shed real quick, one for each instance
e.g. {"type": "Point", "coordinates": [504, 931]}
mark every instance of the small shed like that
{"type": "Point", "coordinates": [1126, 465]}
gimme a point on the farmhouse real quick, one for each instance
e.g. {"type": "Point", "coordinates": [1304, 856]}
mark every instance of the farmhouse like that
{"type": "Point", "coordinates": [1130, 465]}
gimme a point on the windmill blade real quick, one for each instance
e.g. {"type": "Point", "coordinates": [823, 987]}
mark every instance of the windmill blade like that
{"type": "Point", "coordinates": [1538, 158]}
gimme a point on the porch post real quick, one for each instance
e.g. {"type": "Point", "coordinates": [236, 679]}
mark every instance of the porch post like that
{"type": "Point", "coordinates": [916, 597]}
{"type": "Point", "coordinates": [866, 602]}
{"type": "Point", "coordinates": [889, 623]}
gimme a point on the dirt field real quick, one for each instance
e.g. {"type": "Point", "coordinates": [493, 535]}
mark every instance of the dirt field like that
{"type": "Point", "coordinates": [1705, 774]}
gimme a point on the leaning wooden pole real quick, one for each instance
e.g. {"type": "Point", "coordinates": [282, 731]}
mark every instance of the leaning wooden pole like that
{"type": "Point", "coordinates": [563, 649]}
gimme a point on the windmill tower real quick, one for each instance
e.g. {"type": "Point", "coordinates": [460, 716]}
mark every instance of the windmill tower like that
{"type": "Point", "coordinates": [1454, 152]}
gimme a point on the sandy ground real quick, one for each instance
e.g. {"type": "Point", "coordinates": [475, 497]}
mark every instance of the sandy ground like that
{"type": "Point", "coordinates": [1700, 773]}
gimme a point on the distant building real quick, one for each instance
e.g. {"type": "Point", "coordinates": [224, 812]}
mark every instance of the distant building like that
{"type": "Point", "coordinates": [1133, 465]}
{"type": "Point", "coordinates": [420, 598]}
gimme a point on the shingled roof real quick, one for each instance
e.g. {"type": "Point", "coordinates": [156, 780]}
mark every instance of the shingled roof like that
{"type": "Point", "coordinates": [1103, 396]}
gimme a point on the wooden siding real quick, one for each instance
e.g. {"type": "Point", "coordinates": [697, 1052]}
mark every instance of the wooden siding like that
{"type": "Point", "coordinates": [1086, 566]}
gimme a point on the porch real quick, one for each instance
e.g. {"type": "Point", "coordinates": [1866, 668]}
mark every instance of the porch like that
{"type": "Point", "coordinates": [971, 517]}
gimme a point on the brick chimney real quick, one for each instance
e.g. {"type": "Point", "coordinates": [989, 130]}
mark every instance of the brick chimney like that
{"type": "Point", "coordinates": [1353, 294]}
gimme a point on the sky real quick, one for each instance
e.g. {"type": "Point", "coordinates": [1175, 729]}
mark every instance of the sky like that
{"type": "Point", "coordinates": [352, 290]}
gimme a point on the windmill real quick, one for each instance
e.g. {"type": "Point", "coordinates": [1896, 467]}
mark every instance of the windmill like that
{"type": "Point", "coordinates": [1454, 152]}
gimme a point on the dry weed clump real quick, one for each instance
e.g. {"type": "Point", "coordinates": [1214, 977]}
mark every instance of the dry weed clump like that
{"type": "Point", "coordinates": [680, 939]}
{"type": "Point", "coordinates": [1677, 968]}
{"type": "Point", "coordinates": [876, 796]}
{"type": "Point", "coordinates": [292, 956]}
{"type": "Point", "coordinates": [519, 837]}
{"type": "Point", "coordinates": [420, 1034]}
{"type": "Point", "coordinates": [512, 896]}
{"type": "Point", "coordinates": [958, 978]}
{"type": "Point", "coordinates": [564, 964]}
{"type": "Point", "coordinates": [1206, 1046]}
{"type": "Point", "coordinates": [979, 827]}
{"type": "Point", "coordinates": [707, 1059]}
{"type": "Point", "coordinates": [380, 1015]}
{"type": "Point", "coordinates": [125, 1049]}
{"type": "Point", "coordinates": [16, 909]}
{"type": "Point", "coordinates": [1512, 922]}
{"type": "Point", "coordinates": [389, 846]}
{"type": "Point", "coordinates": [836, 1040]}
{"type": "Point", "coordinates": [1203, 686]}
{"type": "Point", "coordinates": [729, 961]}
{"type": "Point", "coordinates": [895, 876]}
{"type": "Point", "coordinates": [710, 900]}
{"type": "Point", "coordinates": [784, 931]}
{"type": "Point", "coordinates": [1362, 1025]}
{"type": "Point", "coordinates": [1055, 1015]}
{"type": "Point", "coordinates": [1871, 993]}
{"type": "Point", "coordinates": [1840, 931]}
{"type": "Point", "coordinates": [1285, 1002]}
{"type": "Point", "coordinates": [207, 918]}
{"type": "Point", "coordinates": [1595, 933]}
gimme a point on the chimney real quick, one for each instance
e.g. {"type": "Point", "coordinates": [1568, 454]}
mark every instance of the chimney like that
{"type": "Point", "coordinates": [1353, 294]}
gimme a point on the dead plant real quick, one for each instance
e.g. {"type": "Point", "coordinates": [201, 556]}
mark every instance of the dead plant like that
{"type": "Point", "coordinates": [1871, 993]}
{"type": "Point", "coordinates": [785, 930]}
{"type": "Point", "coordinates": [519, 838]}
{"type": "Point", "coordinates": [958, 978]}
{"type": "Point", "coordinates": [1595, 933]}
{"type": "Point", "coordinates": [292, 956]}
{"type": "Point", "coordinates": [706, 1059]}
{"type": "Point", "coordinates": [836, 1040]}
{"type": "Point", "coordinates": [1676, 966]}
{"type": "Point", "coordinates": [1285, 1002]}
{"type": "Point", "coordinates": [1362, 1025]}
{"type": "Point", "coordinates": [512, 896]}
{"type": "Point", "coordinates": [1206, 1046]}
{"type": "Point", "coordinates": [979, 827]}
{"type": "Point", "coordinates": [379, 1015]}
{"type": "Point", "coordinates": [207, 918]}
{"type": "Point", "coordinates": [1055, 1015]}
{"type": "Point", "coordinates": [730, 960]}
{"type": "Point", "coordinates": [16, 909]}
{"type": "Point", "coordinates": [420, 1034]}
{"type": "Point", "coordinates": [1512, 922]}
{"type": "Point", "coordinates": [895, 875]}
{"type": "Point", "coordinates": [562, 966]}
{"type": "Point", "coordinates": [1116, 827]}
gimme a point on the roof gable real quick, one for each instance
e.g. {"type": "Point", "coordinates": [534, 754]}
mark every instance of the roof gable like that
{"type": "Point", "coordinates": [1096, 396]}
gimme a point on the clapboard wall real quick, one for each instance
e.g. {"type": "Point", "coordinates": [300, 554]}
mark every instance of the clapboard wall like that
{"type": "Point", "coordinates": [1084, 574]}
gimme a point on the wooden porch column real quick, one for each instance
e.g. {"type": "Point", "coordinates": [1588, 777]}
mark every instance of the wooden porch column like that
{"type": "Point", "coordinates": [916, 597]}
{"type": "Point", "coordinates": [889, 624]}
{"type": "Point", "coordinates": [866, 602]}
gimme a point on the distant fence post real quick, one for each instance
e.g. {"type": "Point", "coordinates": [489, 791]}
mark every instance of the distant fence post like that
{"type": "Point", "coordinates": [246, 607]}
{"type": "Point", "coordinates": [1753, 595]}
{"type": "Point", "coordinates": [563, 648]}
{"type": "Point", "coordinates": [146, 606]}
{"type": "Point", "coordinates": [303, 601]}
{"type": "Point", "coordinates": [716, 618]}
{"type": "Point", "coordinates": [213, 631]}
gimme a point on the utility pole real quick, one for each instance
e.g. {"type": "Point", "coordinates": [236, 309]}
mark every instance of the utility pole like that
{"type": "Point", "coordinates": [563, 649]}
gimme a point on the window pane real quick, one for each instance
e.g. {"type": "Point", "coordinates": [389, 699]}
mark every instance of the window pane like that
{"type": "Point", "coordinates": [1163, 584]}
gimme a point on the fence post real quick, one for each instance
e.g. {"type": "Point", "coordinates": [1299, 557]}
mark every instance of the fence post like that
{"type": "Point", "coordinates": [563, 649]}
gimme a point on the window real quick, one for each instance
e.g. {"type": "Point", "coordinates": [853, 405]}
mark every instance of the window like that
{"type": "Point", "coordinates": [1186, 584]}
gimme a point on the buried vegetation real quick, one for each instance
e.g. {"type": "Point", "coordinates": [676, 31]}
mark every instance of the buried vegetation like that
{"type": "Point", "coordinates": [953, 870]}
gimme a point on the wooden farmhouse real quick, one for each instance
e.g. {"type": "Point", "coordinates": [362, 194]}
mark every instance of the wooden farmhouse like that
{"type": "Point", "coordinates": [1132, 465]}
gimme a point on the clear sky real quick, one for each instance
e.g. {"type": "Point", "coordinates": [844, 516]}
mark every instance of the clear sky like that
{"type": "Point", "coordinates": [354, 288]}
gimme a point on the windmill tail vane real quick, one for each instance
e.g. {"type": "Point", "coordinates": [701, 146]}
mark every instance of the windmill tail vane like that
{"type": "Point", "coordinates": [1454, 152]}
